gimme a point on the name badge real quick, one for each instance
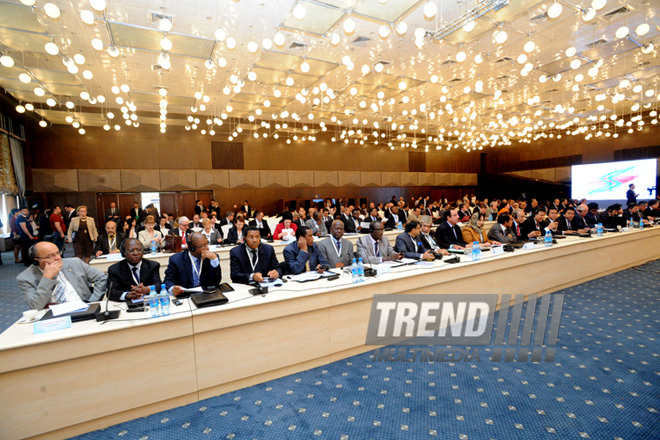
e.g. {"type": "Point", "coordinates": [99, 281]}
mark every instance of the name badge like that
{"type": "Point", "coordinates": [496, 250]}
{"type": "Point", "coordinates": [528, 246]}
{"type": "Point", "coordinates": [50, 325]}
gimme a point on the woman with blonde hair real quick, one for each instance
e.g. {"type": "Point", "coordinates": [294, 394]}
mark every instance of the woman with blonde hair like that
{"type": "Point", "coordinates": [82, 233]}
{"type": "Point", "coordinates": [149, 234]}
{"type": "Point", "coordinates": [212, 234]}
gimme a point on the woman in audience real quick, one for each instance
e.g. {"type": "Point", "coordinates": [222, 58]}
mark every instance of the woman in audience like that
{"type": "Point", "coordinates": [235, 234]}
{"type": "Point", "coordinates": [129, 228]}
{"type": "Point", "coordinates": [163, 226]}
{"type": "Point", "coordinates": [150, 234]}
{"type": "Point", "coordinates": [212, 234]}
{"type": "Point", "coordinates": [285, 230]}
{"type": "Point", "coordinates": [474, 230]}
{"type": "Point", "coordinates": [85, 232]}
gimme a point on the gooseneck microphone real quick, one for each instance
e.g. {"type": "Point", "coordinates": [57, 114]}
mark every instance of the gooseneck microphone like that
{"type": "Point", "coordinates": [107, 315]}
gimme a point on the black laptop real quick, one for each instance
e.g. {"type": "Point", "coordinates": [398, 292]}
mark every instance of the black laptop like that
{"type": "Point", "coordinates": [208, 298]}
{"type": "Point", "coordinates": [76, 316]}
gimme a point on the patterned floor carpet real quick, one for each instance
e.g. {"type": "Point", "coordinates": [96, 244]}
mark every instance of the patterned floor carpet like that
{"type": "Point", "coordinates": [603, 384]}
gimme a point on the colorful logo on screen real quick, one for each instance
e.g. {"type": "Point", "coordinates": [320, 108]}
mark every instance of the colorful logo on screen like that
{"type": "Point", "coordinates": [613, 180]}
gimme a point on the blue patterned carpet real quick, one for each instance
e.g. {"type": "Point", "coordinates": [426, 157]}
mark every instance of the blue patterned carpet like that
{"type": "Point", "coordinates": [604, 384]}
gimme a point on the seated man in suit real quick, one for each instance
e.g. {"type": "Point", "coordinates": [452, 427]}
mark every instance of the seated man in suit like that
{"type": "Point", "coordinates": [428, 242]}
{"type": "Point", "coordinates": [394, 218]}
{"type": "Point", "coordinates": [337, 250]}
{"type": "Point", "coordinates": [531, 228]}
{"type": "Point", "coordinates": [194, 267]}
{"type": "Point", "coordinates": [182, 231]}
{"type": "Point", "coordinates": [109, 242]}
{"type": "Point", "coordinates": [352, 221]}
{"type": "Point", "coordinates": [316, 224]}
{"type": "Point", "coordinates": [374, 248]}
{"type": "Point", "coordinates": [592, 216]}
{"type": "Point", "coordinates": [551, 221]}
{"type": "Point", "coordinates": [228, 220]}
{"type": "Point", "coordinates": [52, 279]}
{"type": "Point", "coordinates": [567, 225]}
{"type": "Point", "coordinates": [651, 212]}
{"type": "Point", "coordinates": [131, 277]}
{"type": "Point", "coordinates": [416, 214]}
{"type": "Point", "coordinates": [196, 222]}
{"type": "Point", "coordinates": [612, 217]}
{"type": "Point", "coordinates": [407, 243]}
{"type": "Point", "coordinates": [448, 233]}
{"type": "Point", "coordinates": [253, 261]}
{"type": "Point", "coordinates": [518, 216]}
{"type": "Point", "coordinates": [373, 216]}
{"type": "Point", "coordinates": [303, 254]}
{"type": "Point", "coordinates": [259, 223]}
{"type": "Point", "coordinates": [580, 218]}
{"type": "Point", "coordinates": [501, 232]}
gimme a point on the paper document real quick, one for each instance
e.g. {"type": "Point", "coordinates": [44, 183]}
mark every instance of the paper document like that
{"type": "Point", "coordinates": [197, 289]}
{"type": "Point", "coordinates": [275, 283]}
{"type": "Point", "coordinates": [365, 225]}
{"type": "Point", "coordinates": [114, 257]}
{"type": "Point", "coordinates": [68, 307]}
{"type": "Point", "coordinates": [306, 276]}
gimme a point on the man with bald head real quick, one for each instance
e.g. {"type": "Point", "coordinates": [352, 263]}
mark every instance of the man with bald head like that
{"type": "Point", "coordinates": [580, 219]}
{"type": "Point", "coordinates": [196, 266]}
{"type": "Point", "coordinates": [52, 279]}
{"type": "Point", "coordinates": [109, 242]}
{"type": "Point", "coordinates": [337, 251]}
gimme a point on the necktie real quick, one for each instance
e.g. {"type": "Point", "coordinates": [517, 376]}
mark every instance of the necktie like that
{"type": "Point", "coordinates": [196, 273]}
{"type": "Point", "coordinates": [454, 231]}
{"type": "Point", "coordinates": [254, 256]}
{"type": "Point", "coordinates": [517, 229]}
{"type": "Point", "coordinates": [58, 294]}
{"type": "Point", "coordinates": [376, 250]}
{"type": "Point", "coordinates": [307, 266]}
{"type": "Point", "coordinates": [113, 243]}
{"type": "Point", "coordinates": [338, 243]}
{"type": "Point", "coordinates": [183, 238]}
{"type": "Point", "coordinates": [136, 274]}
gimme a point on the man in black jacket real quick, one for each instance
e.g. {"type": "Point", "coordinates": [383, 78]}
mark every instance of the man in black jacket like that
{"type": "Point", "coordinates": [132, 277]}
{"type": "Point", "coordinates": [448, 233]}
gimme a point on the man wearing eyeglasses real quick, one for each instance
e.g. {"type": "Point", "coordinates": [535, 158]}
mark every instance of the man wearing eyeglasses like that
{"type": "Point", "coordinates": [197, 266]}
{"type": "Point", "coordinates": [52, 280]}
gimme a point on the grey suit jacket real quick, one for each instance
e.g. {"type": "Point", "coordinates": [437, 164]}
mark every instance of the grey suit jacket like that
{"type": "Point", "coordinates": [311, 224]}
{"type": "Point", "coordinates": [495, 234]}
{"type": "Point", "coordinates": [38, 289]}
{"type": "Point", "coordinates": [328, 249]}
{"type": "Point", "coordinates": [366, 250]}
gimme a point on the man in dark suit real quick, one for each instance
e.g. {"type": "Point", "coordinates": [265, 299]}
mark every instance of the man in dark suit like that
{"type": "Point", "coordinates": [567, 224]}
{"type": "Point", "coordinates": [261, 225]}
{"type": "Point", "coordinates": [199, 208]}
{"type": "Point", "coordinates": [247, 208]}
{"type": "Point", "coordinates": [69, 213]}
{"type": "Point", "coordinates": [303, 254]}
{"type": "Point", "coordinates": [136, 211]}
{"type": "Point", "coordinates": [394, 218]}
{"type": "Point", "coordinates": [131, 277]}
{"type": "Point", "coordinates": [373, 216]}
{"type": "Point", "coordinates": [352, 222]}
{"type": "Point", "coordinates": [427, 240]}
{"type": "Point", "coordinates": [592, 216]}
{"type": "Point", "coordinates": [409, 244]}
{"type": "Point", "coordinates": [464, 212]}
{"type": "Point", "coordinates": [112, 213]}
{"type": "Point", "coordinates": [196, 266]}
{"type": "Point", "coordinates": [531, 228]}
{"type": "Point", "coordinates": [580, 218]}
{"type": "Point", "coordinates": [448, 233]}
{"type": "Point", "coordinates": [518, 216]}
{"type": "Point", "coordinates": [109, 242]}
{"type": "Point", "coordinates": [612, 217]}
{"type": "Point", "coordinates": [253, 261]}
{"type": "Point", "coordinates": [631, 196]}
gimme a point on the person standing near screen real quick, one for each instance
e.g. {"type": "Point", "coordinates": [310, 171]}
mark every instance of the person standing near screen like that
{"type": "Point", "coordinates": [630, 194]}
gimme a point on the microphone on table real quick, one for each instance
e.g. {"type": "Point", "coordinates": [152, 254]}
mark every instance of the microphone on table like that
{"type": "Point", "coordinates": [107, 315]}
{"type": "Point", "coordinates": [368, 271]}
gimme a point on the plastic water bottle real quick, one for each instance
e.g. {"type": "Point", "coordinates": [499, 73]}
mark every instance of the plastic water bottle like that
{"type": "Point", "coordinates": [399, 226]}
{"type": "Point", "coordinates": [476, 251]}
{"type": "Point", "coordinates": [599, 229]}
{"type": "Point", "coordinates": [641, 224]}
{"type": "Point", "coordinates": [153, 303]}
{"type": "Point", "coordinates": [547, 240]}
{"type": "Point", "coordinates": [354, 272]}
{"type": "Point", "coordinates": [164, 301]}
{"type": "Point", "coordinates": [154, 248]}
{"type": "Point", "coordinates": [360, 268]}
{"type": "Point", "coordinates": [490, 217]}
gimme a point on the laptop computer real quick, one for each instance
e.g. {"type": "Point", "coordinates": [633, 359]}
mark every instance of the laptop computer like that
{"type": "Point", "coordinates": [208, 299]}
{"type": "Point", "coordinates": [76, 316]}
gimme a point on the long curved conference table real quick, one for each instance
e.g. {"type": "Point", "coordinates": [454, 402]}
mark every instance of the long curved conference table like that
{"type": "Point", "coordinates": [92, 375]}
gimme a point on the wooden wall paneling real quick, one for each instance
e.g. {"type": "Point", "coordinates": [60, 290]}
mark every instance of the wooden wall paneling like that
{"type": "Point", "coordinates": [205, 197]}
{"type": "Point", "coordinates": [408, 179]}
{"type": "Point", "coordinates": [301, 179]}
{"type": "Point", "coordinates": [370, 178]}
{"type": "Point", "coordinates": [212, 179]}
{"type": "Point", "coordinates": [243, 179]}
{"type": "Point", "coordinates": [126, 201]}
{"type": "Point", "coordinates": [390, 179]}
{"type": "Point", "coordinates": [442, 179]}
{"type": "Point", "coordinates": [178, 180]}
{"type": "Point", "coordinates": [140, 180]}
{"type": "Point", "coordinates": [471, 179]}
{"type": "Point", "coordinates": [425, 179]}
{"type": "Point", "coordinates": [168, 203]}
{"type": "Point", "coordinates": [457, 179]}
{"type": "Point", "coordinates": [349, 178]}
{"type": "Point", "coordinates": [274, 178]}
{"type": "Point", "coordinates": [59, 180]}
{"type": "Point", "coordinates": [99, 180]}
{"type": "Point", "coordinates": [227, 155]}
{"type": "Point", "coordinates": [416, 161]}
{"type": "Point", "coordinates": [323, 179]}
{"type": "Point", "coordinates": [186, 204]}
